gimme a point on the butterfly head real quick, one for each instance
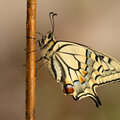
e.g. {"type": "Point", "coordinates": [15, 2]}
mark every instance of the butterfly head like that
{"type": "Point", "coordinates": [47, 40]}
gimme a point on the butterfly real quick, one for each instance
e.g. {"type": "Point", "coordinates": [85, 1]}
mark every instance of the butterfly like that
{"type": "Point", "coordinates": [78, 68]}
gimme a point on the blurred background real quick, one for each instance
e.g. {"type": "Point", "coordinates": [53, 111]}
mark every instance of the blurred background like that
{"type": "Point", "coordinates": [95, 23]}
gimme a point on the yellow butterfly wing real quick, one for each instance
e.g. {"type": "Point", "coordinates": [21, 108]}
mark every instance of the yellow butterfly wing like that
{"type": "Point", "coordinates": [81, 69]}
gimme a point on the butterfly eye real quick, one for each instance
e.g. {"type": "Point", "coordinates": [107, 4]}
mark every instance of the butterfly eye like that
{"type": "Point", "coordinates": [68, 89]}
{"type": "Point", "coordinates": [50, 35]}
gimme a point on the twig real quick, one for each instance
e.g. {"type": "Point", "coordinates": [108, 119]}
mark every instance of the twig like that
{"type": "Point", "coordinates": [30, 59]}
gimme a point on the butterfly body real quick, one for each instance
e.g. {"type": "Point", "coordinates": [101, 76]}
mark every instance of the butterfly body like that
{"type": "Point", "coordinates": [78, 68]}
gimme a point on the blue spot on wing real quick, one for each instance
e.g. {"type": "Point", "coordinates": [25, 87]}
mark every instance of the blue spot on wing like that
{"type": "Point", "coordinates": [87, 69]}
{"type": "Point", "coordinates": [78, 87]}
{"type": "Point", "coordinates": [88, 53]}
{"type": "Point", "coordinates": [76, 82]}
{"type": "Point", "coordinates": [87, 61]}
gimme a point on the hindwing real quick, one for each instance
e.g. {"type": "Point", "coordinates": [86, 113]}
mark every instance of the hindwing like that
{"type": "Point", "coordinates": [81, 69]}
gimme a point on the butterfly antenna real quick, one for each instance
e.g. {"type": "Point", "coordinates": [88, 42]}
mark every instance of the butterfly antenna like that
{"type": "Point", "coordinates": [51, 15]}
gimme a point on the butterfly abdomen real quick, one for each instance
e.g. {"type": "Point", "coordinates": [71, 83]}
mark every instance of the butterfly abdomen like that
{"type": "Point", "coordinates": [56, 69]}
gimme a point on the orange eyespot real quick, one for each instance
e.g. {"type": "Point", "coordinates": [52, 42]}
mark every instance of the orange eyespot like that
{"type": "Point", "coordinates": [68, 89]}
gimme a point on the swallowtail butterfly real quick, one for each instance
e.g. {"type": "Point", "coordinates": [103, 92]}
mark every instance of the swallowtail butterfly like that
{"type": "Point", "coordinates": [78, 68]}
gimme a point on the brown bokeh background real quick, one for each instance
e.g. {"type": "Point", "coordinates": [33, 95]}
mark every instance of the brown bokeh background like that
{"type": "Point", "coordinates": [95, 23]}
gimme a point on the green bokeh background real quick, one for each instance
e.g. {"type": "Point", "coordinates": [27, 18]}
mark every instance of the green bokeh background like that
{"type": "Point", "coordinates": [95, 23]}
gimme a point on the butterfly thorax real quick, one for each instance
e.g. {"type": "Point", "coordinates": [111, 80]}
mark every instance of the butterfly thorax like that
{"type": "Point", "coordinates": [47, 43]}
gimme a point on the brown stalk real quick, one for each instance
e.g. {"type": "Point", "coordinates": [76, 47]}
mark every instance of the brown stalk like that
{"type": "Point", "coordinates": [30, 59]}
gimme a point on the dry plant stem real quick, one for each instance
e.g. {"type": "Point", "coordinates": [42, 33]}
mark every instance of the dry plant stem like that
{"type": "Point", "coordinates": [30, 59]}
